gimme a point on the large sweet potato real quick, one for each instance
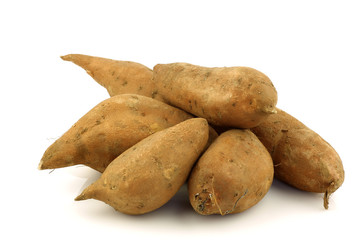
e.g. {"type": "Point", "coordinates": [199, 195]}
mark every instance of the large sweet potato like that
{"type": "Point", "coordinates": [109, 129]}
{"type": "Point", "coordinates": [301, 157]}
{"type": "Point", "coordinates": [148, 175]}
{"type": "Point", "coordinates": [234, 174]}
{"type": "Point", "coordinates": [230, 96]}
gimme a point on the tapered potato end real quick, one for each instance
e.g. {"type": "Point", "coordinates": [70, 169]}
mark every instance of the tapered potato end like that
{"type": "Point", "coordinates": [66, 57]}
{"type": "Point", "coordinates": [76, 58]}
{"type": "Point", "coordinates": [88, 193]}
{"type": "Point", "coordinates": [79, 59]}
{"type": "Point", "coordinates": [332, 188]}
{"type": "Point", "coordinates": [42, 165]}
{"type": "Point", "coordinates": [58, 155]}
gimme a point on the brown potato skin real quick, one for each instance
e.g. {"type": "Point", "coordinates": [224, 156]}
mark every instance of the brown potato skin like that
{"type": "Point", "coordinates": [118, 77]}
{"type": "Point", "coordinates": [301, 157]}
{"type": "Point", "coordinates": [148, 175]}
{"type": "Point", "coordinates": [109, 129]}
{"type": "Point", "coordinates": [234, 174]}
{"type": "Point", "coordinates": [239, 97]}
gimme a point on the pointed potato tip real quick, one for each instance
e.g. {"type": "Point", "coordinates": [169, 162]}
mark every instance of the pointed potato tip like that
{"type": "Point", "coordinates": [45, 164]}
{"type": "Point", "coordinates": [41, 165]}
{"type": "Point", "coordinates": [326, 200]}
{"type": "Point", "coordinates": [327, 194]}
{"type": "Point", "coordinates": [86, 194]}
{"type": "Point", "coordinates": [80, 197]}
{"type": "Point", "coordinates": [66, 57]}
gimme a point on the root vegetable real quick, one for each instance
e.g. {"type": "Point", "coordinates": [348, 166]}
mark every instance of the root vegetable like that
{"type": "Point", "coordinates": [148, 175]}
{"type": "Point", "coordinates": [109, 129]}
{"type": "Point", "coordinates": [234, 174]}
{"type": "Point", "coordinates": [118, 77]}
{"type": "Point", "coordinates": [239, 97]}
{"type": "Point", "coordinates": [301, 157]}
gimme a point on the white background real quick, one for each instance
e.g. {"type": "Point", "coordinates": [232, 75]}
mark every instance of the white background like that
{"type": "Point", "coordinates": [309, 49]}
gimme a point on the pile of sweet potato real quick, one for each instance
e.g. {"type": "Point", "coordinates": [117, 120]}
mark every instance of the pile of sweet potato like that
{"type": "Point", "coordinates": [216, 129]}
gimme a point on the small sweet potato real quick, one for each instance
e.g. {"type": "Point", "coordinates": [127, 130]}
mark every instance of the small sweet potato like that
{"type": "Point", "coordinates": [148, 175]}
{"type": "Point", "coordinates": [233, 174]}
{"type": "Point", "coordinates": [239, 97]}
{"type": "Point", "coordinates": [301, 157]}
{"type": "Point", "coordinates": [118, 77]}
{"type": "Point", "coordinates": [109, 129]}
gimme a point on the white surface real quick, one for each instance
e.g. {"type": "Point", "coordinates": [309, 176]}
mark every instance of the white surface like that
{"type": "Point", "coordinates": [309, 49]}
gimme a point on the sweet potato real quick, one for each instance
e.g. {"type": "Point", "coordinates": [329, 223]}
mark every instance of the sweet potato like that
{"type": "Point", "coordinates": [233, 174]}
{"type": "Point", "coordinates": [301, 157]}
{"type": "Point", "coordinates": [118, 77]}
{"type": "Point", "coordinates": [239, 97]}
{"type": "Point", "coordinates": [147, 175]}
{"type": "Point", "coordinates": [109, 129]}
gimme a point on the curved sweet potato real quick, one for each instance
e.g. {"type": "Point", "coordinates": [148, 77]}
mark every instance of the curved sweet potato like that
{"type": "Point", "coordinates": [148, 175]}
{"type": "Point", "coordinates": [109, 129]}
{"type": "Point", "coordinates": [239, 97]}
{"type": "Point", "coordinates": [301, 157]}
{"type": "Point", "coordinates": [118, 77]}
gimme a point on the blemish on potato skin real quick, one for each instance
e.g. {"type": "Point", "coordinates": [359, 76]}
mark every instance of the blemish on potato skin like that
{"type": "Point", "coordinates": [236, 202]}
{"type": "Point", "coordinates": [154, 93]}
{"type": "Point", "coordinates": [84, 130]}
{"type": "Point", "coordinates": [239, 80]}
{"type": "Point", "coordinates": [201, 206]}
{"type": "Point", "coordinates": [203, 110]}
{"type": "Point", "coordinates": [104, 183]}
{"type": "Point", "coordinates": [207, 74]}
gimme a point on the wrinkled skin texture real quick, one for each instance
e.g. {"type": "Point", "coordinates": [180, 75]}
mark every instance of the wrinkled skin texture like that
{"type": "Point", "coordinates": [239, 97]}
{"type": "Point", "coordinates": [118, 77]}
{"type": "Point", "coordinates": [109, 129]}
{"type": "Point", "coordinates": [148, 175]}
{"type": "Point", "coordinates": [301, 157]}
{"type": "Point", "coordinates": [234, 174]}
